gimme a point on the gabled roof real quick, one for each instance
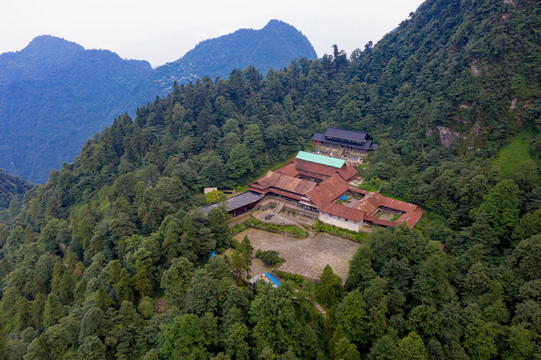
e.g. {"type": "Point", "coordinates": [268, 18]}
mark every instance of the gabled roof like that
{"type": "Point", "coordinates": [320, 159]}
{"type": "Point", "coordinates": [347, 135]}
{"type": "Point", "coordinates": [343, 212]}
{"type": "Point", "coordinates": [289, 169]}
{"type": "Point", "coordinates": [284, 182]}
{"type": "Point", "coordinates": [367, 145]}
{"type": "Point", "coordinates": [348, 172]}
{"type": "Point", "coordinates": [411, 212]}
{"type": "Point", "coordinates": [328, 191]}
{"type": "Point", "coordinates": [315, 168]}
{"type": "Point", "coordinates": [236, 202]}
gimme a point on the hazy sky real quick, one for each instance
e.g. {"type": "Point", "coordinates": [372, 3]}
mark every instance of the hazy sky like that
{"type": "Point", "coordinates": [160, 31]}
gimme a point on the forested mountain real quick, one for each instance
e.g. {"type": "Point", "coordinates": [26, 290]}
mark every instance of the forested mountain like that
{"type": "Point", "coordinates": [273, 46]}
{"type": "Point", "coordinates": [85, 256]}
{"type": "Point", "coordinates": [54, 94]}
{"type": "Point", "coordinates": [12, 188]}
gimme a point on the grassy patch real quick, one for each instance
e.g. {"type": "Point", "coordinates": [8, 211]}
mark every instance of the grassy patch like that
{"type": "Point", "coordinates": [368, 187]}
{"type": "Point", "coordinates": [396, 217]}
{"type": "Point", "coordinates": [513, 154]}
{"type": "Point", "coordinates": [336, 231]}
{"type": "Point", "coordinates": [290, 230]}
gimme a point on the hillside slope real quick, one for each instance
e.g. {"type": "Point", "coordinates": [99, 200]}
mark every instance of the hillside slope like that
{"type": "Point", "coordinates": [12, 188]}
{"type": "Point", "coordinates": [472, 66]}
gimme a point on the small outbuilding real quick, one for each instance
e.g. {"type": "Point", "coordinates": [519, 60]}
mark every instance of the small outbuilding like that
{"type": "Point", "coordinates": [343, 141]}
{"type": "Point", "coordinates": [238, 204]}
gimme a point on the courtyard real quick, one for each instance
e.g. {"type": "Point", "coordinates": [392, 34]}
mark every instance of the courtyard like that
{"type": "Point", "coordinates": [307, 257]}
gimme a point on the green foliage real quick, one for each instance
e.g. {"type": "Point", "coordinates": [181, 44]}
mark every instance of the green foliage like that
{"type": "Point", "coordinates": [11, 188]}
{"type": "Point", "coordinates": [501, 206]}
{"type": "Point", "coordinates": [188, 337]}
{"type": "Point", "coordinates": [290, 230]}
{"type": "Point", "coordinates": [215, 196]}
{"type": "Point", "coordinates": [512, 155]}
{"type": "Point", "coordinates": [328, 289]}
{"type": "Point", "coordinates": [203, 295]}
{"type": "Point", "coordinates": [412, 347]}
{"type": "Point", "coordinates": [91, 349]}
{"type": "Point", "coordinates": [241, 259]}
{"type": "Point", "coordinates": [146, 307]}
{"type": "Point", "coordinates": [269, 257]}
{"type": "Point", "coordinates": [336, 231]}
{"type": "Point", "coordinates": [350, 316]}
{"type": "Point", "coordinates": [176, 280]}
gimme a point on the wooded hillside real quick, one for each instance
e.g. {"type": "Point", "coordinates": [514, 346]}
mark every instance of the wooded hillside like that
{"type": "Point", "coordinates": [87, 254]}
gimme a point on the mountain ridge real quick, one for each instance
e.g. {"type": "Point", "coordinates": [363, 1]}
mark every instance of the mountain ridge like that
{"type": "Point", "coordinates": [55, 94]}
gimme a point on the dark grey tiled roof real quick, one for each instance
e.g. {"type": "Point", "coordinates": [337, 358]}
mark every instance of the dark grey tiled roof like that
{"type": "Point", "coordinates": [236, 202]}
{"type": "Point", "coordinates": [346, 135]}
{"type": "Point", "coordinates": [364, 146]}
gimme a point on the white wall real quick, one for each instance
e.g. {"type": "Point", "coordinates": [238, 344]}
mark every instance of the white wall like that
{"type": "Point", "coordinates": [339, 222]}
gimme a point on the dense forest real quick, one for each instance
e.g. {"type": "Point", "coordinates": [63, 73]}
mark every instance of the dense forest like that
{"type": "Point", "coordinates": [86, 255]}
{"type": "Point", "coordinates": [12, 188]}
{"type": "Point", "coordinates": [54, 94]}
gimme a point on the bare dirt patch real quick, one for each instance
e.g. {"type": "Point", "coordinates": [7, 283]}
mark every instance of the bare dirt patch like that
{"type": "Point", "coordinates": [160, 305]}
{"type": "Point", "coordinates": [307, 257]}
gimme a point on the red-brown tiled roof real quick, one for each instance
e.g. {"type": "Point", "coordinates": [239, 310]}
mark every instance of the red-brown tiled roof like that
{"type": "Point", "coordinates": [328, 191]}
{"type": "Point", "coordinates": [289, 169]}
{"type": "Point", "coordinates": [414, 217]}
{"type": "Point", "coordinates": [380, 222]}
{"type": "Point", "coordinates": [321, 171]}
{"type": "Point", "coordinates": [397, 204]}
{"type": "Point", "coordinates": [343, 212]}
{"type": "Point", "coordinates": [369, 203]}
{"type": "Point", "coordinates": [348, 171]}
{"type": "Point", "coordinates": [412, 213]}
{"type": "Point", "coordinates": [284, 182]}
{"type": "Point", "coordinates": [315, 168]}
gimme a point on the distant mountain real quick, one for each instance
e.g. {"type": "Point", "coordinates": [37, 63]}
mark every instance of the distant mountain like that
{"type": "Point", "coordinates": [41, 57]}
{"type": "Point", "coordinates": [54, 94]}
{"type": "Point", "coordinates": [274, 46]}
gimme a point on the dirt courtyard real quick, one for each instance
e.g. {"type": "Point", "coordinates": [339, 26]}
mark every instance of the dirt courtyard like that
{"type": "Point", "coordinates": [306, 257]}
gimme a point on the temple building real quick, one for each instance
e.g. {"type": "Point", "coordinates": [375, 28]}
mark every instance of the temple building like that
{"type": "Point", "coordinates": [320, 184]}
{"type": "Point", "coordinates": [344, 142]}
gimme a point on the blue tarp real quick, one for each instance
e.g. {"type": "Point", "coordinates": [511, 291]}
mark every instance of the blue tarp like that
{"type": "Point", "coordinates": [212, 254]}
{"type": "Point", "coordinates": [343, 197]}
{"type": "Point", "coordinates": [272, 278]}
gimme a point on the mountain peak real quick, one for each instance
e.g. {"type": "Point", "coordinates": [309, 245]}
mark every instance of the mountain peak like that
{"type": "Point", "coordinates": [46, 43]}
{"type": "Point", "coordinates": [278, 24]}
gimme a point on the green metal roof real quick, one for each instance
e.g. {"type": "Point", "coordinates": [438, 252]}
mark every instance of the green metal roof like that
{"type": "Point", "coordinates": [320, 159]}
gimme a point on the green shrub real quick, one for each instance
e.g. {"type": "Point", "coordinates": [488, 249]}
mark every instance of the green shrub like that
{"type": "Point", "coordinates": [296, 278]}
{"type": "Point", "coordinates": [291, 230]}
{"type": "Point", "coordinates": [269, 257]}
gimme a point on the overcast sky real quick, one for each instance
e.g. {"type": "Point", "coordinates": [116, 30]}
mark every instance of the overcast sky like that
{"type": "Point", "coordinates": [160, 31]}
